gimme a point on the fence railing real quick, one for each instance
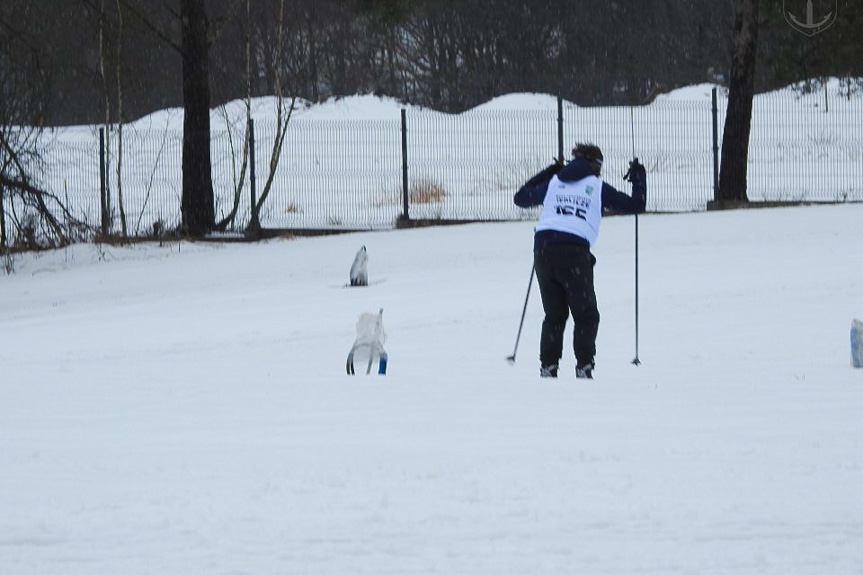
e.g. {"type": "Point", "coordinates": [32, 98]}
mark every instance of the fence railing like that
{"type": "Point", "coordinates": [366, 173]}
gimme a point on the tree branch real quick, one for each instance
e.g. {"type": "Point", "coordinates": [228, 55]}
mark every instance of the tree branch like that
{"type": "Point", "coordinates": [152, 26]}
{"type": "Point", "coordinates": [220, 23]}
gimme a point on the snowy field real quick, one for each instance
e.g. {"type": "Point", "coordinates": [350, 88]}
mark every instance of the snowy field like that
{"type": "Point", "coordinates": [183, 409]}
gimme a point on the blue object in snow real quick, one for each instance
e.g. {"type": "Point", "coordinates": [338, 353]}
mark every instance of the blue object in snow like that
{"type": "Point", "coordinates": [857, 343]}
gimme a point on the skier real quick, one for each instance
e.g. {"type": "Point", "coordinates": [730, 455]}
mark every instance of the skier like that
{"type": "Point", "coordinates": [573, 198]}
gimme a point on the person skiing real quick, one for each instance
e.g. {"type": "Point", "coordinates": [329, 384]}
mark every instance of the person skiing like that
{"type": "Point", "coordinates": [573, 197]}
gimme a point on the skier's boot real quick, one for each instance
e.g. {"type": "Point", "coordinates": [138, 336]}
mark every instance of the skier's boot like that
{"type": "Point", "coordinates": [585, 371]}
{"type": "Point", "coordinates": [548, 370]}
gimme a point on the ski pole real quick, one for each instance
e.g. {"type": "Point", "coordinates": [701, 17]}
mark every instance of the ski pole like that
{"type": "Point", "coordinates": [511, 358]}
{"type": "Point", "coordinates": [635, 361]}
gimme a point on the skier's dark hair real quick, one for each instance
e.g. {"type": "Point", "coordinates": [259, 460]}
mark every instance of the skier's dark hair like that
{"type": "Point", "coordinates": [589, 152]}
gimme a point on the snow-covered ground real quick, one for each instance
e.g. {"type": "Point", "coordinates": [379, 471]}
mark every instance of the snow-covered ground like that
{"type": "Point", "coordinates": [183, 409]}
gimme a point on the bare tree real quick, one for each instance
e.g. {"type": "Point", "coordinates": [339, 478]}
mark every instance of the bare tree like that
{"type": "Point", "coordinates": [102, 16]}
{"type": "Point", "coordinates": [240, 181]}
{"type": "Point", "coordinates": [283, 119]}
{"type": "Point", "coordinates": [104, 62]}
{"type": "Point", "coordinates": [38, 218]}
{"type": "Point", "coordinates": [741, 89]}
{"type": "Point", "coordinates": [119, 78]}
{"type": "Point", "coordinates": [197, 203]}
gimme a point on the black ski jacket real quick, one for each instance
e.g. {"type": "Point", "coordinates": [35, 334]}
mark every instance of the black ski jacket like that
{"type": "Point", "coordinates": [532, 193]}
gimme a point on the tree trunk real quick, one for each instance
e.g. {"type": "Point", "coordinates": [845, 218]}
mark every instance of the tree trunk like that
{"type": "Point", "coordinates": [2, 225]}
{"type": "Point", "coordinates": [197, 203]}
{"type": "Point", "coordinates": [282, 122]}
{"type": "Point", "coordinates": [119, 77]}
{"type": "Point", "coordinates": [228, 220]}
{"type": "Point", "coordinates": [103, 49]}
{"type": "Point", "coordinates": [741, 89]}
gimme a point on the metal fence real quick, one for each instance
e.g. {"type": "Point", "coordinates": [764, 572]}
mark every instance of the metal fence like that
{"type": "Point", "coordinates": [366, 173]}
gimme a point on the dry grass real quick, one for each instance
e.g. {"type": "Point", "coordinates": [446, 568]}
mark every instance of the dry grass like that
{"type": "Point", "coordinates": [422, 191]}
{"type": "Point", "coordinates": [426, 191]}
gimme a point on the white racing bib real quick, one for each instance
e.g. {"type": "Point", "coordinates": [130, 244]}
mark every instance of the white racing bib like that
{"type": "Point", "coordinates": [573, 207]}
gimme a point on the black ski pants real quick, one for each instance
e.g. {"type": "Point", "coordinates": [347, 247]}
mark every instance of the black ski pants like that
{"type": "Point", "coordinates": [564, 272]}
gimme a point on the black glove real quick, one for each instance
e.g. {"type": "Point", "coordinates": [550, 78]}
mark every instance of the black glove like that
{"type": "Point", "coordinates": [636, 172]}
{"type": "Point", "coordinates": [546, 174]}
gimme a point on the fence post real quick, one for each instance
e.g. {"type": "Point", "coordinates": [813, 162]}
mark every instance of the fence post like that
{"type": "Point", "coordinates": [255, 224]}
{"type": "Point", "coordinates": [715, 145]}
{"type": "Point", "coordinates": [405, 191]}
{"type": "Point", "coordinates": [560, 129]}
{"type": "Point", "coordinates": [102, 183]}
{"type": "Point", "coordinates": [826, 99]}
